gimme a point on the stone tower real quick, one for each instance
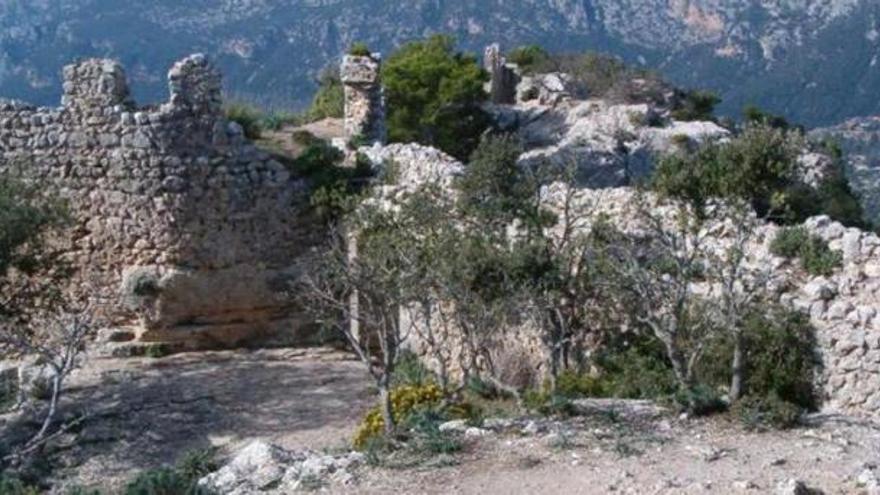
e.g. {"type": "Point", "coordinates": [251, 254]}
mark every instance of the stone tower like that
{"type": "Point", "coordinates": [364, 99]}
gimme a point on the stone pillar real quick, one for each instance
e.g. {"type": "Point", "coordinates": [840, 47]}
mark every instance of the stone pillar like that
{"type": "Point", "coordinates": [364, 99]}
{"type": "Point", "coordinates": [503, 78]}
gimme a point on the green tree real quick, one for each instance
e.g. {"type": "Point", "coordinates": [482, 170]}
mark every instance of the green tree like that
{"type": "Point", "coordinates": [434, 96]}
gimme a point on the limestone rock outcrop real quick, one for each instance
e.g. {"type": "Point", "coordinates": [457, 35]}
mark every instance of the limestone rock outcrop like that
{"type": "Point", "coordinates": [264, 468]}
{"type": "Point", "coordinates": [608, 144]}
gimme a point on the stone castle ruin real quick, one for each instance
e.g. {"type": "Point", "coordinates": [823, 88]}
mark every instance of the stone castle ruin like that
{"type": "Point", "coordinates": [184, 230]}
{"type": "Point", "coordinates": [189, 235]}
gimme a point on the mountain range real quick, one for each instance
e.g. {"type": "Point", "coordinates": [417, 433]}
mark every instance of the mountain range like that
{"type": "Point", "coordinates": [815, 61]}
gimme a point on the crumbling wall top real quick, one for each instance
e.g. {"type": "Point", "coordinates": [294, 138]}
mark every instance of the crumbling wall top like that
{"type": "Point", "coordinates": [95, 83]}
{"type": "Point", "coordinates": [360, 70]}
{"type": "Point", "coordinates": [196, 83]}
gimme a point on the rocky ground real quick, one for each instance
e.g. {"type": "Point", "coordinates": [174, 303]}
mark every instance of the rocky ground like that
{"type": "Point", "coordinates": [148, 412]}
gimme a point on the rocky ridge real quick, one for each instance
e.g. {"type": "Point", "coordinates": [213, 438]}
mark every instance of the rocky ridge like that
{"type": "Point", "coordinates": [781, 54]}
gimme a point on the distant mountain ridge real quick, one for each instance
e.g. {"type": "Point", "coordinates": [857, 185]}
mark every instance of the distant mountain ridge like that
{"type": "Point", "coordinates": [815, 61]}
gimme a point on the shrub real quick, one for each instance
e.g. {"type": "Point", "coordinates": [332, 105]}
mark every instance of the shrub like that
{"type": "Point", "coordinates": [492, 186]}
{"type": "Point", "coordinates": [78, 490]}
{"type": "Point", "coordinates": [424, 427]}
{"type": "Point", "coordinates": [782, 357]}
{"type": "Point", "coordinates": [697, 105]}
{"type": "Point", "coordinates": [814, 254]}
{"type": "Point", "coordinates": [304, 138]}
{"type": "Point", "coordinates": [359, 49]}
{"type": "Point", "coordinates": [528, 57]}
{"type": "Point", "coordinates": [410, 371]}
{"type": "Point", "coordinates": [781, 365]}
{"type": "Point", "coordinates": [572, 384]}
{"type": "Point", "coordinates": [789, 241]}
{"type": "Point", "coordinates": [405, 401]}
{"type": "Point", "coordinates": [10, 485]}
{"type": "Point", "coordinates": [329, 100]}
{"type": "Point", "coordinates": [758, 412]}
{"type": "Point", "coordinates": [333, 186]}
{"type": "Point", "coordinates": [755, 116]}
{"type": "Point", "coordinates": [276, 120]}
{"type": "Point", "coordinates": [247, 116]}
{"type": "Point", "coordinates": [164, 481]}
{"type": "Point", "coordinates": [434, 96]}
{"type": "Point", "coordinates": [758, 166]}
{"type": "Point", "coordinates": [197, 464]}
{"type": "Point", "coordinates": [700, 400]}
{"type": "Point", "coordinates": [636, 367]}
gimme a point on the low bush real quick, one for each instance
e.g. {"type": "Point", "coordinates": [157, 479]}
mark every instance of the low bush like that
{"type": "Point", "coordinates": [636, 367]}
{"type": "Point", "coordinates": [359, 49]}
{"type": "Point", "coordinates": [197, 464]}
{"type": "Point", "coordinates": [410, 371]}
{"type": "Point", "coordinates": [333, 186]}
{"type": "Point", "coordinates": [813, 252]}
{"type": "Point", "coordinates": [405, 401]}
{"type": "Point", "coordinates": [781, 366]}
{"type": "Point", "coordinates": [180, 480]}
{"type": "Point", "coordinates": [329, 100]}
{"type": "Point", "coordinates": [248, 117]}
{"type": "Point", "coordinates": [697, 105]}
{"type": "Point", "coordinates": [572, 384]}
{"type": "Point", "coordinates": [700, 400]}
{"type": "Point", "coordinates": [10, 485]}
{"type": "Point", "coordinates": [528, 57]}
{"type": "Point", "coordinates": [789, 241]}
{"type": "Point", "coordinates": [756, 412]}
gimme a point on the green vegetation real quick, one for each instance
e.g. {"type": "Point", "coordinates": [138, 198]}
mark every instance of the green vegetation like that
{"type": "Point", "coordinates": [434, 96]}
{"type": "Point", "coordinates": [359, 49]}
{"type": "Point", "coordinates": [812, 251]}
{"type": "Point", "coordinates": [759, 166]}
{"type": "Point", "coordinates": [697, 105]}
{"type": "Point", "coordinates": [755, 116]}
{"type": "Point", "coordinates": [406, 400]}
{"type": "Point", "coordinates": [329, 100]}
{"type": "Point", "coordinates": [179, 480]}
{"type": "Point", "coordinates": [334, 187]}
{"type": "Point", "coordinates": [247, 116]}
{"type": "Point", "coordinates": [529, 57]}
{"type": "Point", "coordinates": [10, 485]}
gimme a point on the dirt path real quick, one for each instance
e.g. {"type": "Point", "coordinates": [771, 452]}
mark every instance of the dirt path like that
{"type": "Point", "coordinates": [694, 457]}
{"type": "Point", "coordinates": [149, 412]}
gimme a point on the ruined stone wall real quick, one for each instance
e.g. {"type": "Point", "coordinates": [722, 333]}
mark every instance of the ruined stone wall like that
{"type": "Point", "coordinates": [183, 228]}
{"type": "Point", "coordinates": [844, 308]}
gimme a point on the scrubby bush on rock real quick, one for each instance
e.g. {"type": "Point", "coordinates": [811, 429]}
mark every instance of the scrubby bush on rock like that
{"type": "Point", "coordinates": [813, 252]}
{"type": "Point", "coordinates": [247, 116]}
{"type": "Point", "coordinates": [760, 165]}
{"type": "Point", "coordinates": [329, 100]}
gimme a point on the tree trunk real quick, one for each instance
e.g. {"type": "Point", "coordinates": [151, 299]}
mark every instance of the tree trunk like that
{"type": "Point", "coordinates": [386, 406]}
{"type": "Point", "coordinates": [737, 381]}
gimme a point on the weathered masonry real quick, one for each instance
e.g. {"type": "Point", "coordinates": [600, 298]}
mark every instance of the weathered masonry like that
{"type": "Point", "coordinates": [185, 232]}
